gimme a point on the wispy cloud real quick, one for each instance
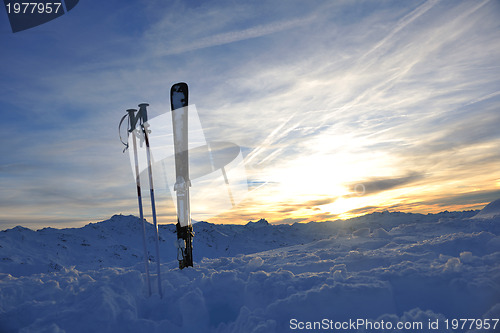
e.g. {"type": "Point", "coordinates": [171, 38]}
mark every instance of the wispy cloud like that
{"type": "Point", "coordinates": [411, 98]}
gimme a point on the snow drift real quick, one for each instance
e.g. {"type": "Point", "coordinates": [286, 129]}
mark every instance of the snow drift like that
{"type": "Point", "coordinates": [391, 267]}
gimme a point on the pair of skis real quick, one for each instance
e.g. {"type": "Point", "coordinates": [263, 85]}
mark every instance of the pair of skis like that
{"type": "Point", "coordinates": [184, 228]}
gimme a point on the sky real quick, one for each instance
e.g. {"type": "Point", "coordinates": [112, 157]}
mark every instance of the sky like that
{"type": "Point", "coordinates": [341, 108]}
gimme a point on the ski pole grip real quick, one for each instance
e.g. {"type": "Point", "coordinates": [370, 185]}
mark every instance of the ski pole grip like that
{"type": "Point", "coordinates": [143, 113]}
{"type": "Point", "coordinates": [132, 118]}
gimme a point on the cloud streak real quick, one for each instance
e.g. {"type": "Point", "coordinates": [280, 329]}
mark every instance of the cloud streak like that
{"type": "Point", "coordinates": [236, 36]}
{"type": "Point", "coordinates": [378, 184]}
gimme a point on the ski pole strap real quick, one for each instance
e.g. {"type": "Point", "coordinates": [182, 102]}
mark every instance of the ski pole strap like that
{"type": "Point", "coordinates": [120, 134]}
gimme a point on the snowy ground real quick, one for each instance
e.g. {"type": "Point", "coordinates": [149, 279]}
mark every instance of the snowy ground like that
{"type": "Point", "coordinates": [390, 268]}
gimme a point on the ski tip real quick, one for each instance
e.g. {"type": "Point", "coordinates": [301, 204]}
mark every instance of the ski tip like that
{"type": "Point", "coordinates": [179, 95]}
{"type": "Point", "coordinates": [179, 85]}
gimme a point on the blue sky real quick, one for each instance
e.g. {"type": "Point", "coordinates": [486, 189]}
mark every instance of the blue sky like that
{"type": "Point", "coordinates": [340, 107]}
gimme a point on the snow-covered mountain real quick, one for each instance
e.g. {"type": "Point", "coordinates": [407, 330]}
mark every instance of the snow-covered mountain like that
{"type": "Point", "coordinates": [258, 277]}
{"type": "Point", "coordinates": [490, 211]}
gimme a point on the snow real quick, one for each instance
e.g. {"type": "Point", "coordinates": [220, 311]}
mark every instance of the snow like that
{"type": "Point", "coordinates": [491, 210]}
{"type": "Point", "coordinates": [259, 277]}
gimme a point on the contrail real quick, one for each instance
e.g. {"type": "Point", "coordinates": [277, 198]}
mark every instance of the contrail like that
{"type": "Point", "coordinates": [239, 35]}
{"type": "Point", "coordinates": [269, 139]}
{"type": "Point", "coordinates": [415, 14]}
{"type": "Point", "coordinates": [483, 98]}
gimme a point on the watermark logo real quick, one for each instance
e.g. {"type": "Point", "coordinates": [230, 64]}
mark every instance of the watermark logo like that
{"type": "Point", "coordinates": [28, 14]}
{"type": "Point", "coordinates": [359, 190]}
{"type": "Point", "coordinates": [216, 168]}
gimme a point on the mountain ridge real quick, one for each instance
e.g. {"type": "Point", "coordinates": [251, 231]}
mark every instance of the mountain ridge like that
{"type": "Point", "coordinates": [117, 241]}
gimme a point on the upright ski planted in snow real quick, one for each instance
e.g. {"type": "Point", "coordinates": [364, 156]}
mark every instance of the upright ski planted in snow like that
{"type": "Point", "coordinates": [179, 106]}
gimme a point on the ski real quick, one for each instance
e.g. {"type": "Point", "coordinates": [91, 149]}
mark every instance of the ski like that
{"type": "Point", "coordinates": [184, 227]}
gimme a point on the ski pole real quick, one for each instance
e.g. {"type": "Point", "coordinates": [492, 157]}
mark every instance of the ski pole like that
{"type": "Point", "coordinates": [139, 197]}
{"type": "Point", "coordinates": [144, 127]}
